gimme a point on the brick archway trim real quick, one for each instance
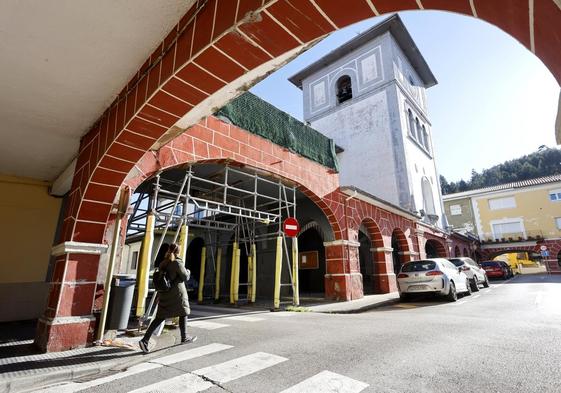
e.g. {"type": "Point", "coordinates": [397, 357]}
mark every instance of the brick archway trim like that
{"type": "Point", "coordinates": [208, 50]}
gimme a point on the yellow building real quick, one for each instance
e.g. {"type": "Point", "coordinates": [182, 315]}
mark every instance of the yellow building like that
{"type": "Point", "coordinates": [526, 210]}
{"type": "Point", "coordinates": [514, 217]}
{"type": "Point", "coordinates": [29, 223]}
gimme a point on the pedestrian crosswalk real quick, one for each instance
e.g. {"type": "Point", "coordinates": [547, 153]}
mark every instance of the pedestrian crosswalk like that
{"type": "Point", "coordinates": [217, 375]}
{"type": "Point", "coordinates": [325, 382]}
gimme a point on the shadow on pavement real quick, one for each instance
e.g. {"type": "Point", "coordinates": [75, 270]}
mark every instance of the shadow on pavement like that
{"type": "Point", "coordinates": [73, 360]}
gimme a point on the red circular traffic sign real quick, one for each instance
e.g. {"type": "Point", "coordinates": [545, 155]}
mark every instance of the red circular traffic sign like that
{"type": "Point", "coordinates": [291, 227]}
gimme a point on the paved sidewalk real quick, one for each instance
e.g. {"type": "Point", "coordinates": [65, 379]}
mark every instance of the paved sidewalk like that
{"type": "Point", "coordinates": [21, 373]}
{"type": "Point", "coordinates": [23, 369]}
{"type": "Point", "coordinates": [368, 302]}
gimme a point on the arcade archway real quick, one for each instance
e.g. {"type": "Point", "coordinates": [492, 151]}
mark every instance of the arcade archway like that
{"type": "Point", "coordinates": [435, 249]}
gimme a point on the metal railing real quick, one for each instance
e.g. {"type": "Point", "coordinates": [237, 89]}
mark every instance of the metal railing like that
{"type": "Point", "coordinates": [511, 237]}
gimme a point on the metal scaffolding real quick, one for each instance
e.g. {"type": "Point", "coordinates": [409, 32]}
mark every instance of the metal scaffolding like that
{"type": "Point", "coordinates": [225, 199]}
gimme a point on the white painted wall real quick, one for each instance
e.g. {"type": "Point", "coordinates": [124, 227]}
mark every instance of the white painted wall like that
{"type": "Point", "coordinates": [380, 157]}
{"type": "Point", "coordinates": [363, 130]}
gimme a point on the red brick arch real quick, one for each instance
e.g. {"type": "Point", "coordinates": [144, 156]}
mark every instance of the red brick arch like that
{"type": "Point", "coordinates": [457, 252]}
{"type": "Point", "coordinates": [309, 177]}
{"type": "Point", "coordinates": [553, 247]}
{"type": "Point", "coordinates": [208, 50]}
{"type": "Point", "coordinates": [216, 50]}
{"type": "Point", "coordinates": [438, 246]}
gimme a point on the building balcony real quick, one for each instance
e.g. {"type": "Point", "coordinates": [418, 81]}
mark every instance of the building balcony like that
{"type": "Point", "coordinates": [534, 235]}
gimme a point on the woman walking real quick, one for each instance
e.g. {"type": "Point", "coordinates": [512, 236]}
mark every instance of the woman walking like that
{"type": "Point", "coordinates": [173, 302]}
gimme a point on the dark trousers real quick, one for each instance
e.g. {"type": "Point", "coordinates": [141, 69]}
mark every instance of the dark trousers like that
{"type": "Point", "coordinates": [157, 321]}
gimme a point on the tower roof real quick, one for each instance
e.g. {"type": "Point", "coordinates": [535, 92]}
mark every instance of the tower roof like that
{"type": "Point", "coordinates": [395, 26]}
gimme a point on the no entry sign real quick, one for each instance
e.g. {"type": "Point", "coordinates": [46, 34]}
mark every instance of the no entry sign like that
{"type": "Point", "coordinates": [291, 227]}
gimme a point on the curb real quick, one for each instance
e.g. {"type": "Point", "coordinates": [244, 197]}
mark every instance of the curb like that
{"type": "Point", "coordinates": [43, 380]}
{"type": "Point", "coordinates": [363, 308]}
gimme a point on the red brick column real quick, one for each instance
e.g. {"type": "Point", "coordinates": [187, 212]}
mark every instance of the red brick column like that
{"type": "Point", "coordinates": [68, 321]}
{"type": "Point", "coordinates": [343, 280]}
{"type": "Point", "coordinates": [385, 277]}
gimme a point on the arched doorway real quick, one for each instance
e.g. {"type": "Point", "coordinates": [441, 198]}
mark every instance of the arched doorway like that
{"type": "Point", "coordinates": [311, 277]}
{"type": "Point", "coordinates": [366, 262]}
{"type": "Point", "coordinates": [465, 253]}
{"type": "Point", "coordinates": [457, 252]}
{"type": "Point", "coordinates": [434, 249]}
{"type": "Point", "coordinates": [399, 246]}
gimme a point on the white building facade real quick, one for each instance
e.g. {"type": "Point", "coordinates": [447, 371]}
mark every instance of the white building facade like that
{"type": "Point", "coordinates": [369, 96]}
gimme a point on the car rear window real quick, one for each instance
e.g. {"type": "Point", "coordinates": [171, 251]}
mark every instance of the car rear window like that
{"type": "Point", "coordinates": [490, 264]}
{"type": "Point", "coordinates": [418, 266]}
{"type": "Point", "coordinates": [457, 262]}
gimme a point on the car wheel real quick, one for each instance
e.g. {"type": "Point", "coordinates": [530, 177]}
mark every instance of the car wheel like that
{"type": "Point", "coordinates": [403, 297]}
{"type": "Point", "coordinates": [486, 282]}
{"type": "Point", "coordinates": [452, 295]}
{"type": "Point", "coordinates": [473, 284]}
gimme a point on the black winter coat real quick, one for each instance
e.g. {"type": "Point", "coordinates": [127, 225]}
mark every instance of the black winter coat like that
{"type": "Point", "coordinates": [175, 302]}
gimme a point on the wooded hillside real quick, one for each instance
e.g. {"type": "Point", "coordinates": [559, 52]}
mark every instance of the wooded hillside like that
{"type": "Point", "coordinates": [544, 162]}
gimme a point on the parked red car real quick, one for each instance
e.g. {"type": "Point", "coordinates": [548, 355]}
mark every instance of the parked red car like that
{"type": "Point", "coordinates": [495, 269]}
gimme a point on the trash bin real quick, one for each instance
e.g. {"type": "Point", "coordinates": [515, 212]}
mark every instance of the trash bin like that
{"type": "Point", "coordinates": [120, 301]}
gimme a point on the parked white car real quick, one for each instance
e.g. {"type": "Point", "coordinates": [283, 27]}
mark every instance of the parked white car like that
{"type": "Point", "coordinates": [435, 275]}
{"type": "Point", "coordinates": [476, 274]}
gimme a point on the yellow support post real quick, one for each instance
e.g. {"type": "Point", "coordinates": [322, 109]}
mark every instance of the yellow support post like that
{"type": "Point", "coordinates": [202, 275]}
{"type": "Point", "coordinates": [278, 270]}
{"type": "Point", "coordinates": [237, 276]}
{"type": "Point", "coordinates": [249, 273]}
{"type": "Point", "coordinates": [233, 272]}
{"type": "Point", "coordinates": [183, 242]}
{"type": "Point", "coordinates": [144, 265]}
{"type": "Point", "coordinates": [254, 272]}
{"type": "Point", "coordinates": [218, 266]}
{"type": "Point", "coordinates": [295, 284]}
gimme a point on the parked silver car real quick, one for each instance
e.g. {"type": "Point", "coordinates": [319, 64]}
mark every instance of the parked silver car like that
{"type": "Point", "coordinates": [435, 275]}
{"type": "Point", "coordinates": [476, 274]}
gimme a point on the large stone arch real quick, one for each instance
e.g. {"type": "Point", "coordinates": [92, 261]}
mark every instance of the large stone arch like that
{"type": "Point", "coordinates": [209, 56]}
{"type": "Point", "coordinates": [207, 59]}
{"type": "Point", "coordinates": [438, 250]}
{"type": "Point", "coordinates": [457, 252]}
{"type": "Point", "coordinates": [401, 251]}
{"type": "Point", "coordinates": [72, 289]}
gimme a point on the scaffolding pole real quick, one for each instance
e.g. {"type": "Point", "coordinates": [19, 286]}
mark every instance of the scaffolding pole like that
{"type": "Point", "coordinates": [202, 275]}
{"type": "Point", "coordinates": [218, 266]}
{"type": "Point", "coordinates": [254, 273]}
{"type": "Point", "coordinates": [278, 270]}
{"type": "Point", "coordinates": [233, 272]}
{"type": "Point", "coordinates": [295, 284]}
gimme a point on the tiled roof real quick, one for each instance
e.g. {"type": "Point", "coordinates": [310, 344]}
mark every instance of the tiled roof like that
{"type": "Point", "coordinates": [518, 184]}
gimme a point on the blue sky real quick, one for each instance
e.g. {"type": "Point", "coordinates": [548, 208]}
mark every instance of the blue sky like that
{"type": "Point", "coordinates": [494, 101]}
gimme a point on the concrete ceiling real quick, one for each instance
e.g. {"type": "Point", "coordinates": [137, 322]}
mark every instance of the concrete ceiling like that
{"type": "Point", "coordinates": [62, 62]}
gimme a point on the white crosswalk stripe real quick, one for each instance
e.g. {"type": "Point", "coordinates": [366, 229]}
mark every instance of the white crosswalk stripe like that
{"type": "Point", "coordinates": [244, 318]}
{"type": "Point", "coordinates": [219, 373]}
{"type": "Point", "coordinates": [207, 325]}
{"type": "Point", "coordinates": [191, 354]}
{"type": "Point", "coordinates": [328, 382]}
{"type": "Point", "coordinates": [240, 367]}
{"type": "Point", "coordinates": [186, 383]}
{"type": "Point", "coordinates": [140, 368]}
{"type": "Point", "coordinates": [282, 314]}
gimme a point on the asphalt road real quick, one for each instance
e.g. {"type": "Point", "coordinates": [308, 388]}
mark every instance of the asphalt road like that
{"type": "Point", "coordinates": [503, 339]}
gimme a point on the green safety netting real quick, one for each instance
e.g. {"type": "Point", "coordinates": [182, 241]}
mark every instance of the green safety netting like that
{"type": "Point", "coordinates": [261, 118]}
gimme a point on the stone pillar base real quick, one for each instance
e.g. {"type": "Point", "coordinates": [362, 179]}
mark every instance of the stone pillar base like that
{"type": "Point", "coordinates": [386, 282]}
{"type": "Point", "coordinates": [65, 333]}
{"type": "Point", "coordinates": [343, 286]}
